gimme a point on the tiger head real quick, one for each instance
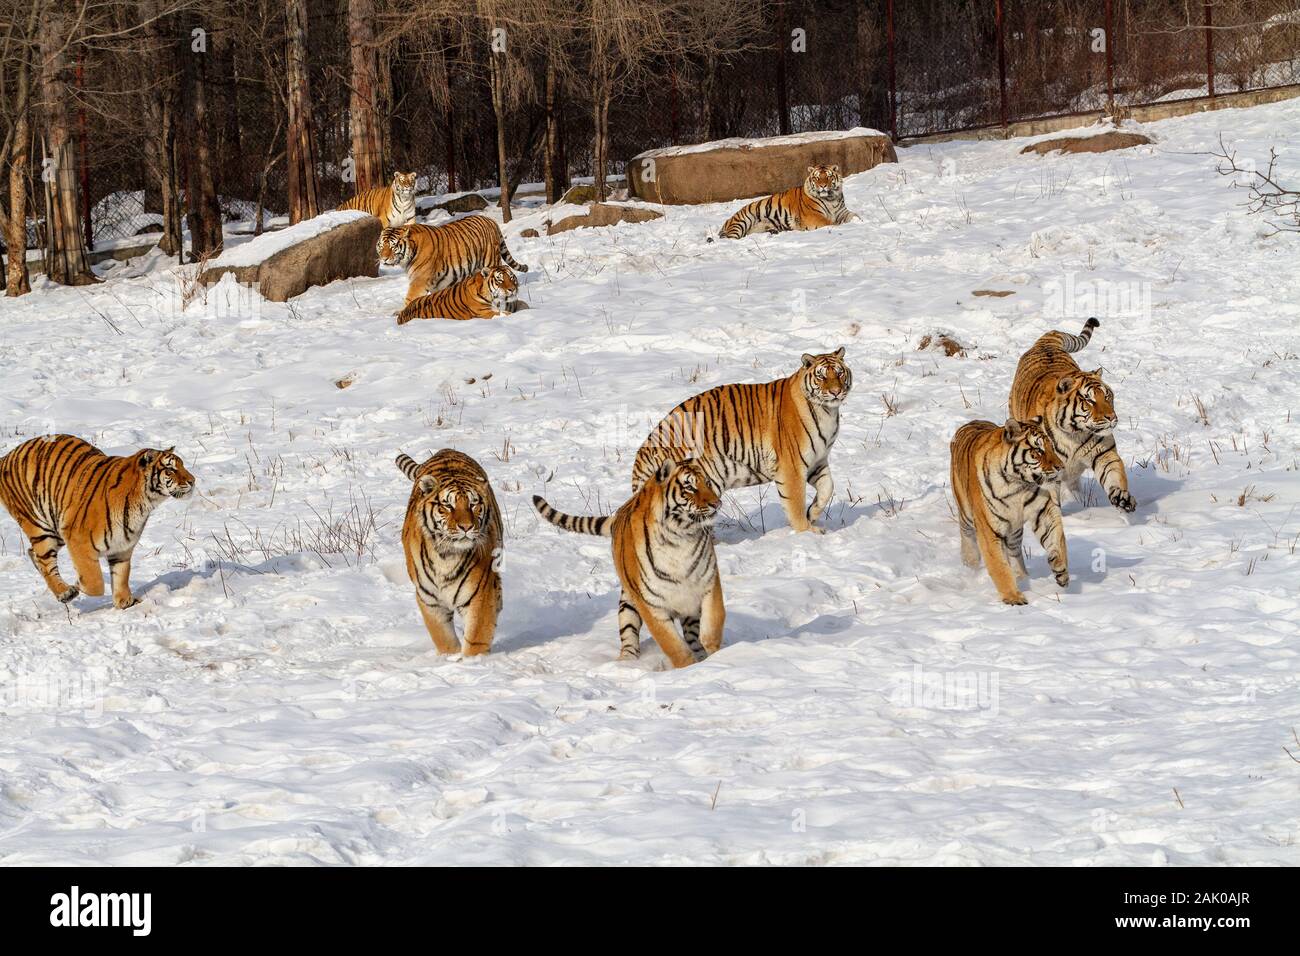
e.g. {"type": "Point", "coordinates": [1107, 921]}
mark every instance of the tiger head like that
{"type": "Point", "coordinates": [826, 379]}
{"type": "Point", "coordinates": [690, 500]}
{"type": "Point", "coordinates": [165, 475]}
{"type": "Point", "coordinates": [824, 182]}
{"type": "Point", "coordinates": [501, 287]}
{"type": "Point", "coordinates": [454, 512]}
{"type": "Point", "coordinates": [394, 246]}
{"type": "Point", "coordinates": [1084, 403]}
{"type": "Point", "coordinates": [1031, 456]}
{"type": "Point", "coordinates": [403, 187]}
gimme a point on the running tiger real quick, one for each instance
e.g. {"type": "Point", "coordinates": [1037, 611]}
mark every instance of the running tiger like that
{"type": "Point", "coordinates": [744, 435]}
{"type": "Point", "coordinates": [394, 204]}
{"type": "Point", "coordinates": [818, 202]}
{"type": "Point", "coordinates": [663, 553]}
{"type": "Point", "coordinates": [64, 491]}
{"type": "Point", "coordinates": [1001, 478]}
{"type": "Point", "coordinates": [489, 292]}
{"type": "Point", "coordinates": [452, 538]}
{"type": "Point", "coordinates": [436, 257]}
{"type": "Point", "coordinates": [1078, 410]}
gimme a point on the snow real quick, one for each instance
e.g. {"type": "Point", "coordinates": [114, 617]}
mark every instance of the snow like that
{"type": "Point", "coordinates": [794, 139]}
{"type": "Point", "coordinates": [275, 698]}
{"type": "Point", "coordinates": [257, 250]}
{"type": "Point", "coordinates": [1087, 132]}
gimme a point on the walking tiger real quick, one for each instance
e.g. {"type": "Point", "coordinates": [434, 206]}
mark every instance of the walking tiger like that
{"type": "Point", "coordinates": [436, 257]}
{"type": "Point", "coordinates": [663, 554]}
{"type": "Point", "coordinates": [64, 491]}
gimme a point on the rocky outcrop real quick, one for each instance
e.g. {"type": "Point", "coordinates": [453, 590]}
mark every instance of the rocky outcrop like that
{"type": "Point", "coordinates": [602, 214]}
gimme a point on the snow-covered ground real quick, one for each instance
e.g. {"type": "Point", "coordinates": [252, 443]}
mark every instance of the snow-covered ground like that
{"type": "Point", "coordinates": [275, 698]}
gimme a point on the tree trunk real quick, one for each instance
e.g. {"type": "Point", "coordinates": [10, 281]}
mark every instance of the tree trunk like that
{"type": "Point", "coordinates": [66, 260]}
{"type": "Point", "coordinates": [304, 201]}
{"type": "Point", "coordinates": [162, 194]}
{"type": "Point", "coordinates": [499, 108]}
{"type": "Point", "coordinates": [363, 111]}
{"type": "Point", "coordinates": [552, 135]}
{"type": "Point", "coordinates": [17, 281]}
{"type": "Point", "coordinates": [782, 89]}
{"type": "Point", "coordinates": [205, 210]}
{"type": "Point", "coordinates": [600, 120]}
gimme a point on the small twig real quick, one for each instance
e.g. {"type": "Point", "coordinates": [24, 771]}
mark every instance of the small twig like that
{"type": "Point", "coordinates": [1178, 798]}
{"type": "Point", "coordinates": [713, 805]}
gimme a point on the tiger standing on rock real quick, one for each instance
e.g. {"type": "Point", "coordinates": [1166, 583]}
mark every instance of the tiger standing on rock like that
{"type": "Point", "coordinates": [744, 435]}
{"type": "Point", "coordinates": [436, 257]}
{"type": "Point", "coordinates": [1001, 478]}
{"type": "Point", "coordinates": [818, 202]}
{"type": "Point", "coordinates": [64, 491]}
{"type": "Point", "coordinates": [663, 553]}
{"type": "Point", "coordinates": [1078, 411]}
{"type": "Point", "coordinates": [393, 205]}
{"type": "Point", "coordinates": [490, 292]}
{"type": "Point", "coordinates": [452, 539]}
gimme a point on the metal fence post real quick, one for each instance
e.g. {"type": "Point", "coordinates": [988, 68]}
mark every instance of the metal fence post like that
{"type": "Point", "coordinates": [1110, 60]}
{"type": "Point", "coordinates": [1209, 47]}
{"type": "Point", "coordinates": [1002, 66]}
{"type": "Point", "coordinates": [893, 78]}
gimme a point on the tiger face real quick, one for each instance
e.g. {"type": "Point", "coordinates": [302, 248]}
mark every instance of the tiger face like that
{"type": "Point", "coordinates": [455, 513]}
{"type": "Point", "coordinates": [403, 187]}
{"type": "Point", "coordinates": [690, 500]}
{"type": "Point", "coordinates": [1032, 456]}
{"type": "Point", "coordinates": [826, 379]}
{"type": "Point", "coordinates": [394, 247]}
{"type": "Point", "coordinates": [1087, 404]}
{"type": "Point", "coordinates": [165, 475]}
{"type": "Point", "coordinates": [501, 286]}
{"type": "Point", "coordinates": [824, 182]}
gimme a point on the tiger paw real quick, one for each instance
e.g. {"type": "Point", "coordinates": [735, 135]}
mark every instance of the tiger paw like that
{"type": "Point", "coordinates": [1063, 578]}
{"type": "Point", "coordinates": [123, 604]}
{"type": "Point", "coordinates": [1015, 599]}
{"type": "Point", "coordinates": [1122, 500]}
{"type": "Point", "coordinates": [68, 595]}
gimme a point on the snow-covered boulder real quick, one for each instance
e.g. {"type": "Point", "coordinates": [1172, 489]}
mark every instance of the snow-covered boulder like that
{"type": "Point", "coordinates": [1093, 139]}
{"type": "Point", "coordinates": [728, 169]}
{"type": "Point", "coordinates": [333, 245]}
{"type": "Point", "coordinates": [600, 214]}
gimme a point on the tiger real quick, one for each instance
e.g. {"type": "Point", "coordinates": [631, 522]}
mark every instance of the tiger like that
{"type": "Point", "coordinates": [437, 257]}
{"type": "Point", "coordinates": [1078, 409]}
{"type": "Point", "coordinates": [394, 204]}
{"type": "Point", "coordinates": [1001, 477]}
{"type": "Point", "coordinates": [818, 202]}
{"type": "Point", "coordinates": [452, 537]}
{"type": "Point", "coordinates": [64, 491]}
{"type": "Point", "coordinates": [664, 557]}
{"type": "Point", "coordinates": [491, 291]}
{"type": "Point", "coordinates": [744, 435]}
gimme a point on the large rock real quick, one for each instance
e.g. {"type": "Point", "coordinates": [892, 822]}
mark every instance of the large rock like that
{"type": "Point", "coordinates": [602, 214]}
{"type": "Point", "coordinates": [333, 245]}
{"type": "Point", "coordinates": [1088, 143]}
{"type": "Point", "coordinates": [465, 202]}
{"type": "Point", "coordinates": [744, 168]}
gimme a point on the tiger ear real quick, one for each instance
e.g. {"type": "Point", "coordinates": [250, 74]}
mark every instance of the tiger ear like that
{"type": "Point", "coordinates": [1012, 431]}
{"type": "Point", "coordinates": [1096, 373]}
{"type": "Point", "coordinates": [427, 484]}
{"type": "Point", "coordinates": [1037, 419]}
{"type": "Point", "coordinates": [1064, 384]}
{"type": "Point", "coordinates": [808, 358]}
{"type": "Point", "coordinates": [839, 352]}
{"type": "Point", "coordinates": [147, 457]}
{"type": "Point", "coordinates": [835, 168]}
{"type": "Point", "coordinates": [812, 169]}
{"type": "Point", "coordinates": [665, 471]}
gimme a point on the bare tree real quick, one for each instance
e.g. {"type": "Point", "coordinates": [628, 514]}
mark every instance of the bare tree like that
{"type": "Point", "coordinates": [17, 49]}
{"type": "Point", "coordinates": [363, 111]}
{"type": "Point", "coordinates": [65, 257]}
{"type": "Point", "coordinates": [304, 200]}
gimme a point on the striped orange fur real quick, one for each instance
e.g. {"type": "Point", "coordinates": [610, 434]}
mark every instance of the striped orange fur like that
{"type": "Point", "coordinates": [663, 553]}
{"type": "Point", "coordinates": [436, 257]}
{"type": "Point", "coordinates": [1078, 410]}
{"type": "Point", "coordinates": [394, 204]}
{"type": "Point", "coordinates": [65, 491]}
{"type": "Point", "coordinates": [452, 537]}
{"type": "Point", "coordinates": [818, 202]}
{"type": "Point", "coordinates": [1001, 478]}
{"type": "Point", "coordinates": [744, 435]}
{"type": "Point", "coordinates": [491, 291]}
